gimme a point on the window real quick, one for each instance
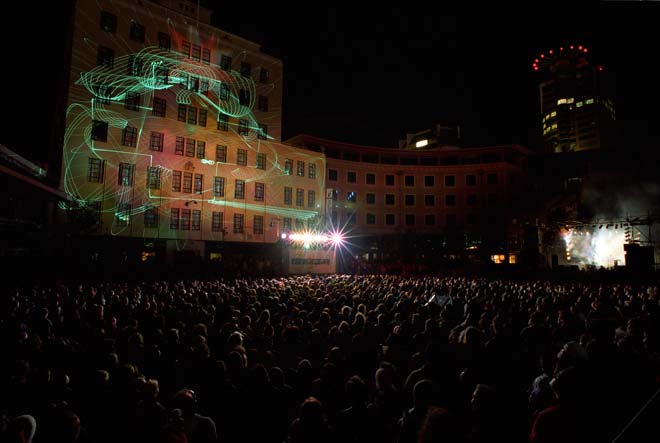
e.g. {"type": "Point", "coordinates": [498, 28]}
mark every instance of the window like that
{"type": "Point", "coordinates": [288, 195]}
{"type": "Point", "coordinates": [206, 56]}
{"type": "Point", "coordinates": [472, 219]}
{"type": "Point", "coordinates": [151, 217]}
{"type": "Point", "coordinates": [225, 62]}
{"type": "Point", "coordinates": [201, 149]}
{"type": "Point", "coordinates": [241, 157]}
{"type": "Point", "coordinates": [204, 86]}
{"type": "Point", "coordinates": [190, 147]}
{"type": "Point", "coordinates": [262, 104]}
{"type": "Point", "coordinates": [216, 221]}
{"type": "Point", "coordinates": [181, 114]}
{"type": "Point", "coordinates": [199, 183]}
{"type": "Point", "coordinates": [184, 224]}
{"type": "Point", "coordinates": [409, 180]}
{"type": "Point", "coordinates": [176, 181]}
{"type": "Point", "coordinates": [263, 75]}
{"type": "Point", "coordinates": [238, 223]}
{"type": "Point", "coordinates": [162, 75]}
{"type": "Point", "coordinates": [259, 191]}
{"type": "Point", "coordinates": [410, 200]}
{"type": "Point", "coordinates": [187, 182]}
{"type": "Point", "coordinates": [129, 136]}
{"type": "Point", "coordinates": [471, 199]}
{"type": "Point", "coordinates": [178, 146]}
{"type": "Point", "coordinates": [193, 83]}
{"type": "Point", "coordinates": [470, 180]}
{"type": "Point", "coordinates": [389, 199]}
{"type": "Point", "coordinates": [160, 107]}
{"type": "Point", "coordinates": [243, 128]}
{"type": "Point", "coordinates": [186, 48]}
{"type": "Point", "coordinates": [224, 91]}
{"type": "Point", "coordinates": [99, 131]}
{"type": "Point", "coordinates": [243, 97]}
{"type": "Point", "coordinates": [335, 195]}
{"type": "Point", "coordinates": [258, 224]}
{"type": "Point", "coordinates": [218, 186]}
{"type": "Point", "coordinates": [263, 132]}
{"type": "Point", "coordinates": [334, 218]}
{"type": "Point", "coordinates": [410, 219]}
{"type": "Point", "coordinates": [311, 170]}
{"type": "Point", "coordinates": [371, 198]}
{"type": "Point", "coordinates": [239, 189]}
{"type": "Point", "coordinates": [261, 160]}
{"type": "Point", "coordinates": [103, 95]}
{"type": "Point", "coordinates": [153, 177]}
{"type": "Point", "coordinates": [371, 219]}
{"type": "Point", "coordinates": [192, 115]}
{"type": "Point", "coordinates": [311, 198]}
{"type": "Point", "coordinates": [429, 181]}
{"type": "Point", "coordinates": [286, 223]}
{"type": "Point", "coordinates": [300, 197]}
{"type": "Point", "coordinates": [108, 22]}
{"type": "Point", "coordinates": [429, 200]}
{"type": "Point", "coordinates": [352, 218]}
{"type": "Point", "coordinates": [429, 220]}
{"type": "Point", "coordinates": [390, 219]}
{"type": "Point", "coordinates": [351, 177]}
{"type": "Point", "coordinates": [370, 178]}
{"type": "Point", "coordinates": [202, 118]}
{"type": "Point", "coordinates": [450, 200]}
{"type": "Point", "coordinates": [491, 179]}
{"type": "Point", "coordinates": [223, 122]}
{"type": "Point", "coordinates": [137, 32]}
{"type": "Point", "coordinates": [123, 214]}
{"type": "Point", "coordinates": [105, 57]}
{"type": "Point", "coordinates": [300, 168]}
{"type": "Point", "coordinates": [164, 41]}
{"type": "Point", "coordinates": [351, 196]}
{"type": "Point", "coordinates": [221, 153]}
{"type": "Point", "coordinates": [450, 180]}
{"type": "Point", "coordinates": [174, 218]}
{"type": "Point", "coordinates": [389, 180]}
{"type": "Point", "coordinates": [196, 219]}
{"type": "Point", "coordinates": [133, 101]}
{"type": "Point", "coordinates": [246, 69]}
{"type": "Point", "coordinates": [95, 170]}
{"type": "Point", "coordinates": [133, 65]}
{"type": "Point", "coordinates": [332, 175]}
{"type": "Point", "coordinates": [125, 175]}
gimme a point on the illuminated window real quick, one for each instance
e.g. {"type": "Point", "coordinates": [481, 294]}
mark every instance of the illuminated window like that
{"type": "Point", "coordinates": [300, 197]}
{"type": "Point", "coordinates": [288, 195]}
{"type": "Point", "coordinates": [578, 104]}
{"type": "Point", "coordinates": [332, 175]}
{"type": "Point", "coordinates": [176, 181]}
{"type": "Point", "coordinates": [263, 75]}
{"type": "Point", "coordinates": [243, 128]}
{"type": "Point", "coordinates": [174, 218]}
{"type": "Point", "coordinates": [223, 122]}
{"type": "Point", "coordinates": [105, 57]}
{"type": "Point", "coordinates": [196, 219]}
{"type": "Point", "coordinates": [241, 157]}
{"type": "Point", "coordinates": [421, 143]}
{"type": "Point", "coordinates": [123, 214]}
{"type": "Point", "coordinates": [259, 191]}
{"type": "Point", "coordinates": [371, 198]}
{"type": "Point", "coordinates": [410, 200]}
{"type": "Point", "coordinates": [246, 69]}
{"type": "Point", "coordinates": [311, 198]}
{"type": "Point", "coordinates": [221, 153]}
{"type": "Point", "coordinates": [225, 62]}
{"type": "Point", "coordinates": [390, 219]}
{"type": "Point", "coordinates": [99, 130]}
{"type": "Point", "coordinates": [311, 170]}
{"type": "Point", "coordinates": [262, 103]}
{"type": "Point", "coordinates": [137, 32]}
{"type": "Point", "coordinates": [589, 101]}
{"type": "Point", "coordinates": [178, 146]}
{"type": "Point", "coordinates": [199, 183]}
{"type": "Point", "coordinates": [216, 221]}
{"type": "Point", "coordinates": [108, 22]}
{"type": "Point", "coordinates": [153, 177]}
{"type": "Point", "coordinates": [160, 107]}
{"type": "Point", "coordinates": [164, 41]}
{"type": "Point", "coordinates": [239, 189]}
{"type": "Point", "coordinates": [498, 258]}
{"type": "Point", "coordinates": [190, 147]}
{"type": "Point", "coordinates": [218, 186]}
{"type": "Point", "coordinates": [129, 136]}
{"type": "Point", "coordinates": [258, 224]}
{"type": "Point", "coordinates": [95, 169]}
{"type": "Point", "coordinates": [410, 219]}
{"type": "Point", "coordinates": [371, 219]}
{"type": "Point", "coordinates": [125, 174]}
{"type": "Point", "coordinates": [513, 259]}
{"type": "Point", "coordinates": [263, 132]}
{"type": "Point", "coordinates": [261, 160]}
{"type": "Point", "coordinates": [187, 182]}
{"type": "Point", "coordinates": [561, 101]}
{"type": "Point", "coordinates": [409, 180]}
{"type": "Point", "coordinates": [151, 217]}
{"type": "Point", "coordinates": [429, 220]}
{"type": "Point", "coordinates": [351, 177]}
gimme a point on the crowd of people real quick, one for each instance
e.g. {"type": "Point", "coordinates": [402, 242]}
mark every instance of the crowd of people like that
{"type": "Point", "coordinates": [329, 358]}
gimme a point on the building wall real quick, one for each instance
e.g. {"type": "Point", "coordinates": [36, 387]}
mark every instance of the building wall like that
{"type": "Point", "coordinates": [113, 64]}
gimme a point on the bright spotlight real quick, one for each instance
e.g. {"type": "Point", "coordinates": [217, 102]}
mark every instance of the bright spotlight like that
{"type": "Point", "coordinates": [283, 236]}
{"type": "Point", "coordinates": [337, 239]}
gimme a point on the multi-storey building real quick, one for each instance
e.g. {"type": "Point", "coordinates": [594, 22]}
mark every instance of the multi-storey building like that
{"type": "Point", "coordinates": [576, 98]}
{"type": "Point", "coordinates": [374, 193]}
{"type": "Point", "coordinates": [173, 130]}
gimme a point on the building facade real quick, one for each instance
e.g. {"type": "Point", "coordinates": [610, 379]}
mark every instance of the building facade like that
{"type": "Point", "coordinates": [173, 130]}
{"type": "Point", "coordinates": [577, 101]}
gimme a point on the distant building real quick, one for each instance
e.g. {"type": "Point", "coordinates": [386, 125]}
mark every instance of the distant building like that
{"type": "Point", "coordinates": [435, 137]}
{"type": "Point", "coordinates": [577, 101]}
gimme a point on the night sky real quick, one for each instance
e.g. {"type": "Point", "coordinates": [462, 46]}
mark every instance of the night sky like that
{"type": "Point", "coordinates": [368, 75]}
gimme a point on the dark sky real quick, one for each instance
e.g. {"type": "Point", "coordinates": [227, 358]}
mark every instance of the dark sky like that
{"type": "Point", "coordinates": [367, 75]}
